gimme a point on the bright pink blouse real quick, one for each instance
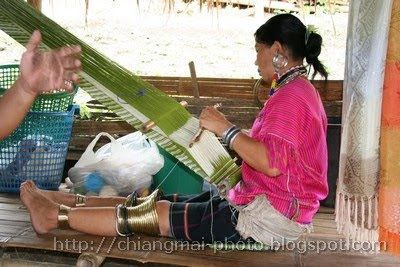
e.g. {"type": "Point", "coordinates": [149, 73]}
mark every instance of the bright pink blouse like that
{"type": "Point", "coordinates": [293, 126]}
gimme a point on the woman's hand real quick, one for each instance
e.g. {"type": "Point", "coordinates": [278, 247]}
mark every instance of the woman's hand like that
{"type": "Point", "coordinates": [214, 121]}
{"type": "Point", "coordinates": [40, 72]}
{"type": "Point", "coordinates": [250, 150]}
{"type": "Point", "coordinates": [47, 71]}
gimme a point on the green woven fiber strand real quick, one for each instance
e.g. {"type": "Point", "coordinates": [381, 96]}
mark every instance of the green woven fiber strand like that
{"type": "Point", "coordinates": [223, 167]}
{"type": "Point", "coordinates": [19, 20]}
{"type": "Point", "coordinates": [154, 104]}
{"type": "Point", "coordinates": [22, 32]}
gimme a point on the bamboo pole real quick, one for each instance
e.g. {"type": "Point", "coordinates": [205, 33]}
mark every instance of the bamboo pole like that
{"type": "Point", "coordinates": [89, 260]}
{"type": "Point", "coordinates": [196, 91]}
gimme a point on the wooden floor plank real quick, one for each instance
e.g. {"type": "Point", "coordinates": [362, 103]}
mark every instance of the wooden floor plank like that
{"type": "Point", "coordinates": [12, 206]}
{"type": "Point", "coordinates": [13, 230]}
{"type": "Point", "coordinates": [16, 231]}
{"type": "Point", "coordinates": [9, 198]}
{"type": "Point", "coordinates": [323, 209]}
{"type": "Point", "coordinates": [14, 216]}
{"type": "Point", "coordinates": [180, 257]}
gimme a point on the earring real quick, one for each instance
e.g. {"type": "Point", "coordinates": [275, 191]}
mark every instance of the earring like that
{"type": "Point", "coordinates": [279, 61]}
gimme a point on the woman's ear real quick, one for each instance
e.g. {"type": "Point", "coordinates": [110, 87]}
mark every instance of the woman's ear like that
{"type": "Point", "coordinates": [277, 47]}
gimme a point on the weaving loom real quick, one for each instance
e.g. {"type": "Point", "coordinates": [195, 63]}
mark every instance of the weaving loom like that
{"type": "Point", "coordinates": [130, 97]}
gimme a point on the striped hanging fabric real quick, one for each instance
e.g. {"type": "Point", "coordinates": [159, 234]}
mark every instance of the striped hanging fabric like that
{"type": "Point", "coordinates": [357, 193]}
{"type": "Point", "coordinates": [389, 189]}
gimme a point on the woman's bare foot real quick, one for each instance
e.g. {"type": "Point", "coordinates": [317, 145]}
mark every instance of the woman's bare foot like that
{"type": "Point", "coordinates": [42, 210]}
{"type": "Point", "coordinates": [56, 196]}
{"type": "Point", "coordinates": [70, 199]}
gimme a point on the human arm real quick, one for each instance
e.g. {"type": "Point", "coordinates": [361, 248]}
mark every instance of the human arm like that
{"type": "Point", "coordinates": [40, 72]}
{"type": "Point", "coordinates": [254, 153]}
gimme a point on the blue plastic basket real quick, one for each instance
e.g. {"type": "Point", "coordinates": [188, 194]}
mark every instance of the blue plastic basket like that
{"type": "Point", "coordinates": [36, 150]}
{"type": "Point", "coordinates": [55, 101]}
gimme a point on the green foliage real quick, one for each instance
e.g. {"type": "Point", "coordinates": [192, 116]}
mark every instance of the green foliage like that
{"type": "Point", "coordinates": [85, 113]}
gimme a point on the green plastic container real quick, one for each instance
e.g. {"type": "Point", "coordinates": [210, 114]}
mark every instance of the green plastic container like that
{"type": "Point", "coordinates": [180, 180]}
{"type": "Point", "coordinates": [57, 101]}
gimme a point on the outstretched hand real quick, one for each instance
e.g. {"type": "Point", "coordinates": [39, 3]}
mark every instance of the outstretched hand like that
{"type": "Point", "coordinates": [214, 121]}
{"type": "Point", "coordinates": [51, 70]}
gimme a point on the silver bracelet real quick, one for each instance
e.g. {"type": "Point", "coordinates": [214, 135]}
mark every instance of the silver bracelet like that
{"type": "Point", "coordinates": [226, 132]}
{"type": "Point", "coordinates": [233, 139]}
{"type": "Point", "coordinates": [232, 134]}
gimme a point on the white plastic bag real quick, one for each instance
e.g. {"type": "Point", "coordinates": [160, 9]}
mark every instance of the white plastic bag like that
{"type": "Point", "coordinates": [127, 163]}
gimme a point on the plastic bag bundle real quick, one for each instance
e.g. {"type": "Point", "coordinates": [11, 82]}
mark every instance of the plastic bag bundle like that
{"type": "Point", "coordinates": [127, 164]}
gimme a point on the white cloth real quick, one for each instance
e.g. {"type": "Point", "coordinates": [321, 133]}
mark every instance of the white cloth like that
{"type": "Point", "coordinates": [262, 222]}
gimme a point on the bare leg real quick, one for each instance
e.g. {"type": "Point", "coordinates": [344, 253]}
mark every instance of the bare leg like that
{"type": "Point", "coordinates": [95, 221]}
{"type": "Point", "coordinates": [69, 199]}
{"type": "Point", "coordinates": [43, 211]}
{"type": "Point", "coordinates": [163, 217]}
{"type": "Point", "coordinates": [101, 221]}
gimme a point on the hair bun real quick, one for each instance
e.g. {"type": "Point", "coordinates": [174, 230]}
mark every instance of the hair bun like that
{"type": "Point", "coordinates": [313, 47]}
{"type": "Point", "coordinates": [290, 32]}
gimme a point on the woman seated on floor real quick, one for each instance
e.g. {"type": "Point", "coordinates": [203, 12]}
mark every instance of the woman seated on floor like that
{"type": "Point", "coordinates": [284, 164]}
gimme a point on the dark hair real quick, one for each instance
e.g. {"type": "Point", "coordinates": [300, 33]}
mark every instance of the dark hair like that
{"type": "Point", "coordinates": [291, 33]}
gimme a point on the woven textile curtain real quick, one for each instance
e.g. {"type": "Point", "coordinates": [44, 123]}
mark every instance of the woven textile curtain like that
{"type": "Point", "coordinates": [389, 189]}
{"type": "Point", "coordinates": [357, 193]}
